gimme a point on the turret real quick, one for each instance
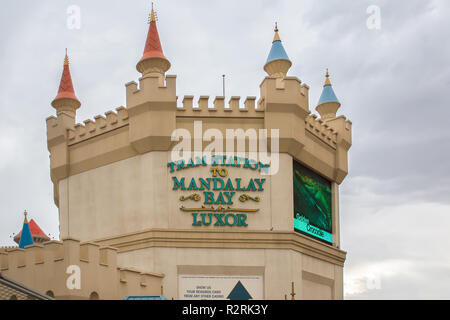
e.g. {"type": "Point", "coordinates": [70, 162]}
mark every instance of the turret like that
{"type": "Point", "coordinates": [284, 100]}
{"type": "Point", "coordinates": [26, 239]}
{"type": "Point", "coordinates": [37, 235]}
{"type": "Point", "coordinates": [153, 61]}
{"type": "Point", "coordinates": [278, 63]}
{"type": "Point", "coordinates": [66, 102]}
{"type": "Point", "coordinates": [328, 104]}
{"type": "Point", "coordinates": [152, 105]}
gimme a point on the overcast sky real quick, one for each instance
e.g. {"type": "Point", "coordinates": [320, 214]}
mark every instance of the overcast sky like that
{"type": "Point", "coordinates": [392, 83]}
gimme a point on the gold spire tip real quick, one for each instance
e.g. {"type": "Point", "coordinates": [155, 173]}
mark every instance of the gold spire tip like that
{"type": "Point", "coordinates": [152, 15]}
{"type": "Point", "coordinates": [277, 36]}
{"type": "Point", "coordinates": [25, 213]}
{"type": "Point", "coordinates": [327, 80]}
{"type": "Point", "coordinates": [66, 59]}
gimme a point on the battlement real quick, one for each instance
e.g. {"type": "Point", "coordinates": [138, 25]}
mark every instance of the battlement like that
{"type": "Point", "coordinates": [46, 267]}
{"type": "Point", "coordinates": [68, 250]}
{"type": "Point", "coordinates": [101, 124]}
{"type": "Point", "coordinates": [287, 90]}
{"type": "Point", "coordinates": [344, 127]}
{"type": "Point", "coordinates": [321, 130]}
{"type": "Point", "coordinates": [233, 109]}
{"type": "Point", "coordinates": [4, 248]}
{"type": "Point", "coordinates": [151, 88]}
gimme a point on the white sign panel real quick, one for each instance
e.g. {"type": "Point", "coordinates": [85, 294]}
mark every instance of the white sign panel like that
{"type": "Point", "coordinates": [211, 287]}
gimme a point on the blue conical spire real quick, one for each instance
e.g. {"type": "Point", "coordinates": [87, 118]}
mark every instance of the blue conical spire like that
{"type": "Point", "coordinates": [277, 51]}
{"type": "Point", "coordinates": [25, 238]}
{"type": "Point", "coordinates": [328, 94]}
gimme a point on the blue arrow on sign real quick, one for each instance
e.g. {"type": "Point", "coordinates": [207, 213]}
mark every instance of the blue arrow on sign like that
{"type": "Point", "coordinates": [239, 293]}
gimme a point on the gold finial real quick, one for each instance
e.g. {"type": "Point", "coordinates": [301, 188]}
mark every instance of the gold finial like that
{"type": "Point", "coordinates": [66, 59]}
{"type": "Point", "coordinates": [25, 213]}
{"type": "Point", "coordinates": [327, 80]}
{"type": "Point", "coordinates": [152, 15]}
{"type": "Point", "coordinates": [293, 292]}
{"type": "Point", "coordinates": [277, 36]}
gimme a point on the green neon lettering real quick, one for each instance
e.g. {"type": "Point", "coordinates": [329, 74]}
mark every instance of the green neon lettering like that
{"type": "Point", "coordinates": [178, 184]}
{"type": "Point", "coordinates": [215, 183]}
{"type": "Point", "coordinates": [171, 164]}
{"type": "Point", "coordinates": [251, 186]}
{"type": "Point", "coordinates": [209, 197]}
{"type": "Point", "coordinates": [227, 220]}
{"type": "Point", "coordinates": [219, 217]}
{"type": "Point", "coordinates": [260, 183]}
{"type": "Point", "coordinates": [241, 219]}
{"type": "Point", "coordinates": [192, 185]}
{"type": "Point", "coordinates": [195, 222]}
{"type": "Point", "coordinates": [220, 199]}
{"type": "Point", "coordinates": [229, 195]}
{"type": "Point", "coordinates": [204, 185]}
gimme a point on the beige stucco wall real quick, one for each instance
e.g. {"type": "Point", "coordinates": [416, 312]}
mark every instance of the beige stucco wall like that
{"type": "Point", "coordinates": [136, 194]}
{"type": "Point", "coordinates": [313, 278]}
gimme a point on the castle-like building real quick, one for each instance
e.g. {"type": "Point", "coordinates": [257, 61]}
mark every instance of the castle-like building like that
{"type": "Point", "coordinates": [134, 220]}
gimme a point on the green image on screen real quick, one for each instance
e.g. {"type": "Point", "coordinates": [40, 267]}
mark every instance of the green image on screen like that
{"type": "Point", "coordinates": [312, 203]}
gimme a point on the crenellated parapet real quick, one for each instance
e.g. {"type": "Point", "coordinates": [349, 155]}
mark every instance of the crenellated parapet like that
{"type": "Point", "coordinates": [321, 130]}
{"type": "Point", "coordinates": [285, 104]}
{"type": "Point", "coordinates": [233, 109]}
{"type": "Point", "coordinates": [343, 127]}
{"type": "Point", "coordinates": [47, 267]}
{"type": "Point", "coordinates": [100, 125]}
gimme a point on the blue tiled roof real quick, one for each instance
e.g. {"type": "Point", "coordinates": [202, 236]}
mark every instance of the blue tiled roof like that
{"type": "Point", "coordinates": [277, 52]}
{"type": "Point", "coordinates": [25, 238]}
{"type": "Point", "coordinates": [327, 95]}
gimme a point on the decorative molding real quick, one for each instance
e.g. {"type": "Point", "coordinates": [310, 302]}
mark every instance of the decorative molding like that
{"type": "Point", "coordinates": [178, 238]}
{"type": "Point", "coordinates": [194, 197]}
{"type": "Point", "coordinates": [245, 197]}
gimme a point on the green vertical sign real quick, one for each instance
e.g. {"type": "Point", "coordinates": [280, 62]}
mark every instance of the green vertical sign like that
{"type": "Point", "coordinates": [312, 204]}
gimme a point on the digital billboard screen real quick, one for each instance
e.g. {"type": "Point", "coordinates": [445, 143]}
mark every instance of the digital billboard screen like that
{"type": "Point", "coordinates": [312, 204]}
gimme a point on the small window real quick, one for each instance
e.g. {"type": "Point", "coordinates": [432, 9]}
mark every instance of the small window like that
{"type": "Point", "coordinates": [13, 297]}
{"type": "Point", "coordinates": [50, 293]}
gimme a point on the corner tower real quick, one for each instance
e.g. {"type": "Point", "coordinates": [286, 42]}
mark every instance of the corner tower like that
{"type": "Point", "coordinates": [284, 99]}
{"type": "Point", "coordinates": [66, 104]}
{"type": "Point", "coordinates": [151, 106]}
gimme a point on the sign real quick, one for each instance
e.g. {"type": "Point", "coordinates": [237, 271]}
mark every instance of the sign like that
{"type": "Point", "coordinates": [312, 204]}
{"type": "Point", "coordinates": [215, 287]}
{"type": "Point", "coordinates": [218, 194]}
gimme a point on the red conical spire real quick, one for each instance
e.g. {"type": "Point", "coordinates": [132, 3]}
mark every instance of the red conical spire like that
{"type": "Point", "coordinates": [153, 47]}
{"type": "Point", "coordinates": [66, 90]}
{"type": "Point", "coordinates": [153, 50]}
